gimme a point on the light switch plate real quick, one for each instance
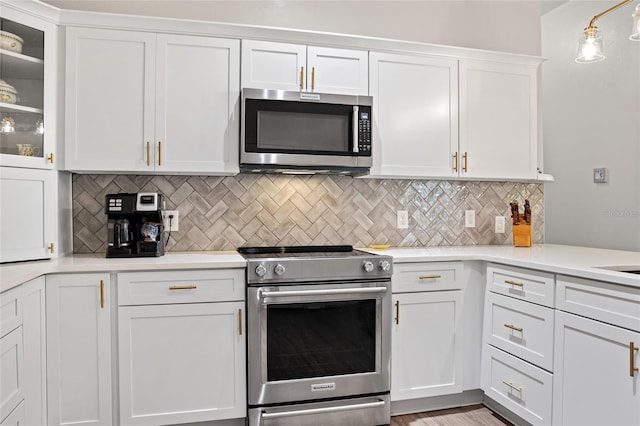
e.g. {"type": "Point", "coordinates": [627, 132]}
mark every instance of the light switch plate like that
{"type": "Point", "coordinates": [499, 224]}
{"type": "Point", "coordinates": [469, 218]}
{"type": "Point", "coordinates": [403, 219]}
{"type": "Point", "coordinates": [600, 175]}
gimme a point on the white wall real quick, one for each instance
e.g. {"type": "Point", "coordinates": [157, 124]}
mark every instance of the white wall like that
{"type": "Point", "coordinates": [507, 26]}
{"type": "Point", "coordinates": [591, 119]}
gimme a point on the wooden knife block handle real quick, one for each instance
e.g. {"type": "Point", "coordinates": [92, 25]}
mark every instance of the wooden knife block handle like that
{"type": "Point", "coordinates": [522, 234]}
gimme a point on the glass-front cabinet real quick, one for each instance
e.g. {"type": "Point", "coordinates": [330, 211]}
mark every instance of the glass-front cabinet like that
{"type": "Point", "coordinates": [27, 91]}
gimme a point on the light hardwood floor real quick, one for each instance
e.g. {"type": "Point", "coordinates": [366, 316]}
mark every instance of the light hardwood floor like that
{"type": "Point", "coordinates": [463, 416]}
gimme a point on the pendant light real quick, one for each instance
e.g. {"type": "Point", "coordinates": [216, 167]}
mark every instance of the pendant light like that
{"type": "Point", "coordinates": [590, 43]}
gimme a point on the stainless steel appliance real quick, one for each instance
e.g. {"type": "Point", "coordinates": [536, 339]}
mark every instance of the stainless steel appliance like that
{"type": "Point", "coordinates": [134, 225]}
{"type": "Point", "coordinates": [318, 336]}
{"type": "Point", "coordinates": [298, 132]}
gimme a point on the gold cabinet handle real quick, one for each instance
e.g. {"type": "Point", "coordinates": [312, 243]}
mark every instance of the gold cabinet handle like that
{"type": "Point", "coordinates": [455, 162]}
{"type": "Point", "coordinates": [632, 365]}
{"type": "Point", "coordinates": [512, 386]}
{"type": "Point", "coordinates": [429, 277]}
{"type": "Point", "coordinates": [516, 283]}
{"type": "Point", "coordinates": [51, 247]}
{"type": "Point", "coordinates": [159, 153]}
{"type": "Point", "coordinates": [50, 158]}
{"type": "Point", "coordinates": [313, 78]}
{"type": "Point", "coordinates": [301, 78]}
{"type": "Point", "coordinates": [148, 154]}
{"type": "Point", "coordinates": [101, 294]}
{"type": "Point", "coordinates": [240, 322]}
{"type": "Point", "coordinates": [464, 162]}
{"type": "Point", "coordinates": [183, 287]}
{"type": "Point", "coordinates": [514, 328]}
{"type": "Point", "coordinates": [397, 312]}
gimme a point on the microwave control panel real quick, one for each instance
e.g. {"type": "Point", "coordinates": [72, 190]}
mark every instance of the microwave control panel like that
{"type": "Point", "coordinates": [364, 132]}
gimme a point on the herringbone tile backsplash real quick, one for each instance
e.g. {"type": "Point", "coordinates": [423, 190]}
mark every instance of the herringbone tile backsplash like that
{"type": "Point", "coordinates": [223, 213]}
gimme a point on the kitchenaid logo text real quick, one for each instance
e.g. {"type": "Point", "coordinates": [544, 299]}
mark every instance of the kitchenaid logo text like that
{"type": "Point", "coordinates": [323, 387]}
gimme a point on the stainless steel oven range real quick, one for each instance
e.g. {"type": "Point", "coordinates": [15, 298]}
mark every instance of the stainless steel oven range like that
{"type": "Point", "coordinates": [318, 336]}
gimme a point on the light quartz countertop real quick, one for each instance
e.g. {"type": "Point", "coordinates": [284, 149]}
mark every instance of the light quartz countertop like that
{"type": "Point", "coordinates": [568, 260]}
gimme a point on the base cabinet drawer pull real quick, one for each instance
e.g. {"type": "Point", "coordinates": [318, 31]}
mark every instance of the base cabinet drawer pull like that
{"type": "Point", "coordinates": [397, 312]}
{"type": "Point", "coordinates": [240, 322]}
{"type": "Point", "coordinates": [632, 364]}
{"type": "Point", "coordinates": [429, 277]}
{"type": "Point", "coordinates": [183, 287]}
{"type": "Point", "coordinates": [512, 386]}
{"type": "Point", "coordinates": [101, 294]}
{"type": "Point", "coordinates": [514, 328]}
{"type": "Point", "coordinates": [516, 283]}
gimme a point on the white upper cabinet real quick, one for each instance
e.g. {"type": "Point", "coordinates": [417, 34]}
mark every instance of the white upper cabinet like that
{"type": "Point", "coordinates": [296, 67]}
{"type": "Point", "coordinates": [28, 214]}
{"type": "Point", "coordinates": [172, 109]}
{"type": "Point", "coordinates": [498, 120]}
{"type": "Point", "coordinates": [28, 66]}
{"type": "Point", "coordinates": [415, 115]}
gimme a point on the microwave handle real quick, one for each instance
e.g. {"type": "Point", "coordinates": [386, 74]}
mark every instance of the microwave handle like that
{"type": "Point", "coordinates": [356, 135]}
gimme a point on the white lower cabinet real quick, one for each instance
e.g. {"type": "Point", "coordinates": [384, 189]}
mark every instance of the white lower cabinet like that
{"type": "Point", "coordinates": [79, 349]}
{"type": "Point", "coordinates": [594, 380]}
{"type": "Point", "coordinates": [181, 346]}
{"type": "Point", "coordinates": [426, 355]}
{"type": "Point", "coordinates": [11, 366]}
{"type": "Point", "coordinates": [16, 418]}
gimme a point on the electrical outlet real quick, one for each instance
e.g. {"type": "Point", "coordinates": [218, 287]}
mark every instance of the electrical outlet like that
{"type": "Point", "coordinates": [173, 220]}
{"type": "Point", "coordinates": [500, 221]}
{"type": "Point", "coordinates": [469, 218]}
{"type": "Point", "coordinates": [403, 219]}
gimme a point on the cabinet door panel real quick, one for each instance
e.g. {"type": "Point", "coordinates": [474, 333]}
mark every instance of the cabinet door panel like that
{"type": "Point", "coordinates": [197, 103]}
{"type": "Point", "coordinates": [12, 377]}
{"type": "Point", "coordinates": [426, 351]}
{"type": "Point", "coordinates": [109, 99]}
{"type": "Point", "coordinates": [498, 119]}
{"type": "Point", "coordinates": [28, 225]}
{"type": "Point", "coordinates": [181, 363]}
{"type": "Point", "coordinates": [415, 115]}
{"type": "Point", "coordinates": [78, 350]}
{"type": "Point", "coordinates": [337, 71]}
{"type": "Point", "coordinates": [35, 360]}
{"type": "Point", "coordinates": [592, 383]}
{"type": "Point", "coordinates": [276, 66]}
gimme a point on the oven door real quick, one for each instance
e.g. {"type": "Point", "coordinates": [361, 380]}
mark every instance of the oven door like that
{"type": "Point", "coordinates": [316, 341]}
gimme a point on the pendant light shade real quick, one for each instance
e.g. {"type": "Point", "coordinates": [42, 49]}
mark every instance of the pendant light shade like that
{"type": "Point", "coordinates": [590, 47]}
{"type": "Point", "coordinates": [635, 30]}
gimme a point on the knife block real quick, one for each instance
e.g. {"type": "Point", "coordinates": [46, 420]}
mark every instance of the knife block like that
{"type": "Point", "coordinates": [522, 233]}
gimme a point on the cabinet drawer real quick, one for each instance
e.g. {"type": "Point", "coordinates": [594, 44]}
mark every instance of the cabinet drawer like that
{"type": "Point", "coordinates": [10, 310]}
{"type": "Point", "coordinates": [517, 385]}
{"type": "Point", "coordinates": [11, 386]}
{"type": "Point", "coordinates": [525, 284]}
{"type": "Point", "coordinates": [189, 286]}
{"type": "Point", "coordinates": [520, 328]}
{"type": "Point", "coordinates": [614, 304]}
{"type": "Point", "coordinates": [427, 276]}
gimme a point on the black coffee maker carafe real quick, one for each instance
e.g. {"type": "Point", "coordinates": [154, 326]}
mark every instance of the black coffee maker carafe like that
{"type": "Point", "coordinates": [129, 219]}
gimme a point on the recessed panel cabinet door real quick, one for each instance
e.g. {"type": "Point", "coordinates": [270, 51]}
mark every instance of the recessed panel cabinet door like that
{"type": "Point", "coordinates": [181, 363]}
{"type": "Point", "coordinates": [27, 217]}
{"type": "Point", "coordinates": [426, 345]}
{"type": "Point", "coordinates": [110, 100]}
{"type": "Point", "coordinates": [197, 93]}
{"type": "Point", "coordinates": [594, 382]}
{"type": "Point", "coordinates": [78, 349]}
{"type": "Point", "coordinates": [498, 120]}
{"type": "Point", "coordinates": [339, 71]}
{"type": "Point", "coordinates": [415, 115]}
{"type": "Point", "coordinates": [274, 66]}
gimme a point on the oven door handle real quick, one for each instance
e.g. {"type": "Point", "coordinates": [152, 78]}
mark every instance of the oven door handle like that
{"type": "Point", "coordinates": [325, 292]}
{"type": "Point", "coordinates": [322, 410]}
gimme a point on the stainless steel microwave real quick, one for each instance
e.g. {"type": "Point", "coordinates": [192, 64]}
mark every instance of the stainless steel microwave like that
{"type": "Point", "coordinates": [298, 132]}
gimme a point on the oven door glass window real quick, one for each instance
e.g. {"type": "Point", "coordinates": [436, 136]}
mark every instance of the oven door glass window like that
{"type": "Point", "coordinates": [306, 340]}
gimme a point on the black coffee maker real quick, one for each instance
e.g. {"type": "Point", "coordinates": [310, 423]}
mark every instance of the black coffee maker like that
{"type": "Point", "coordinates": [134, 225]}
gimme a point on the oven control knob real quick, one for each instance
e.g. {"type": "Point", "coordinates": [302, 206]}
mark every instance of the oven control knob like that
{"type": "Point", "coordinates": [279, 269]}
{"type": "Point", "coordinates": [367, 266]}
{"type": "Point", "coordinates": [384, 266]}
{"type": "Point", "coordinates": [261, 270]}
